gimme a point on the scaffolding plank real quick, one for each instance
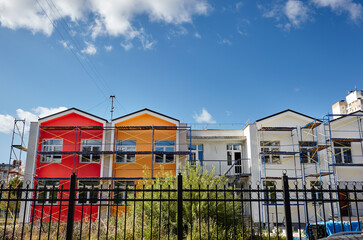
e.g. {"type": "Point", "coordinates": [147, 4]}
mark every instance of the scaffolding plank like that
{"type": "Point", "coordinates": [72, 127]}
{"type": "Point", "coordinates": [346, 139]}
{"type": "Point", "coordinates": [319, 174]}
{"type": "Point", "coordinates": [311, 125]}
{"type": "Point", "coordinates": [277, 129]}
{"type": "Point", "coordinates": [116, 152]}
{"type": "Point", "coordinates": [20, 147]}
{"type": "Point", "coordinates": [319, 148]}
{"type": "Point", "coordinates": [108, 128]}
{"type": "Point", "coordinates": [348, 164]}
{"type": "Point", "coordinates": [279, 153]}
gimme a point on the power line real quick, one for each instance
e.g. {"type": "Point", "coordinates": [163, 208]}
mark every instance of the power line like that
{"type": "Point", "coordinates": [97, 75]}
{"type": "Point", "coordinates": [74, 53]}
{"type": "Point", "coordinates": [75, 41]}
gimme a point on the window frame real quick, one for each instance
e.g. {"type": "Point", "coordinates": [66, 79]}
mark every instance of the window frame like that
{"type": "Point", "coordinates": [318, 196]}
{"type": "Point", "coordinates": [52, 147]}
{"type": "Point", "coordinates": [311, 156]}
{"type": "Point", "coordinates": [272, 194]}
{"type": "Point", "coordinates": [345, 152]}
{"type": "Point", "coordinates": [271, 146]}
{"type": "Point", "coordinates": [120, 189]}
{"type": "Point", "coordinates": [87, 188]}
{"type": "Point", "coordinates": [47, 189]}
{"type": "Point", "coordinates": [92, 155]}
{"type": "Point", "coordinates": [164, 149]}
{"type": "Point", "coordinates": [231, 157]}
{"type": "Point", "coordinates": [125, 156]}
{"type": "Point", "coordinates": [197, 154]}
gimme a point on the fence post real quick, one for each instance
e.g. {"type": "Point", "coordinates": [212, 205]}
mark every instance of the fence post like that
{"type": "Point", "coordinates": [180, 206]}
{"type": "Point", "coordinates": [71, 204]}
{"type": "Point", "coordinates": [285, 181]}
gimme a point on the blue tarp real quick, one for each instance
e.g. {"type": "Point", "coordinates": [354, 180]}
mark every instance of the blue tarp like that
{"type": "Point", "coordinates": [338, 226]}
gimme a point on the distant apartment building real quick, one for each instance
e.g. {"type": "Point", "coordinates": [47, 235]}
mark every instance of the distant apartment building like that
{"type": "Point", "coordinates": [353, 103]}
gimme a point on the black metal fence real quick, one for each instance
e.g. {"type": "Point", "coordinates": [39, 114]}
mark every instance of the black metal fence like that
{"type": "Point", "coordinates": [92, 209]}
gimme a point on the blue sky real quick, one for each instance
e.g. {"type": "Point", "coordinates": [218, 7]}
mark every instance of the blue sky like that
{"type": "Point", "coordinates": [237, 60]}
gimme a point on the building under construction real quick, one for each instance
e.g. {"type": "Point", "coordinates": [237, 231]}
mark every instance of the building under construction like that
{"type": "Point", "coordinates": [148, 144]}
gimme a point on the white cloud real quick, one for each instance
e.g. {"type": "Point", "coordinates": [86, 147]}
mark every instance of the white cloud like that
{"type": "Point", "coordinates": [90, 49]}
{"type": "Point", "coordinates": [127, 45]}
{"type": "Point", "coordinates": [66, 44]}
{"type": "Point", "coordinates": [7, 121]}
{"type": "Point", "coordinates": [112, 17]}
{"type": "Point", "coordinates": [228, 113]}
{"type": "Point", "coordinates": [225, 41]}
{"type": "Point", "coordinates": [204, 117]}
{"type": "Point", "coordinates": [146, 43]}
{"type": "Point", "coordinates": [197, 35]}
{"type": "Point", "coordinates": [177, 32]}
{"type": "Point", "coordinates": [296, 12]}
{"type": "Point", "coordinates": [289, 14]}
{"type": "Point", "coordinates": [239, 5]}
{"type": "Point", "coordinates": [108, 48]}
{"type": "Point", "coordinates": [355, 10]}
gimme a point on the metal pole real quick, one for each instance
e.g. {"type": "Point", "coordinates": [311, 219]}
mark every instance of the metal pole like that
{"type": "Point", "coordinates": [71, 205]}
{"type": "Point", "coordinates": [152, 152]}
{"type": "Point", "coordinates": [11, 153]}
{"type": "Point", "coordinates": [287, 207]}
{"type": "Point", "coordinates": [112, 97]}
{"type": "Point", "coordinates": [180, 206]}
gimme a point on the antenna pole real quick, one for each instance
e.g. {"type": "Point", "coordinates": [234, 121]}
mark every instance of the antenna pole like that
{"type": "Point", "coordinates": [112, 97]}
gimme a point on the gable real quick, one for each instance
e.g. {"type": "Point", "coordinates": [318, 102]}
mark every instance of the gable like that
{"type": "Point", "coordinates": [145, 119]}
{"type": "Point", "coordinates": [71, 119]}
{"type": "Point", "coordinates": [286, 118]}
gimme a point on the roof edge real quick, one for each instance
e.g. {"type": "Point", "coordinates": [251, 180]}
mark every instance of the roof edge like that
{"type": "Point", "coordinates": [145, 109]}
{"type": "Point", "coordinates": [287, 110]}
{"type": "Point", "coordinates": [70, 110]}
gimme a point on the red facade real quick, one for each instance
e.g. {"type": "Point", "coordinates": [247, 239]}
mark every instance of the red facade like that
{"type": "Point", "coordinates": [58, 168]}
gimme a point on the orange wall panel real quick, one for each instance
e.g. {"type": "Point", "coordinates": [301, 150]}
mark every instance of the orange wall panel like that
{"type": "Point", "coordinates": [144, 139]}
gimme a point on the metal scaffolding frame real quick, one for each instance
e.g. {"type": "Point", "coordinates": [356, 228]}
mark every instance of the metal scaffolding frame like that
{"type": "Point", "coordinates": [17, 146]}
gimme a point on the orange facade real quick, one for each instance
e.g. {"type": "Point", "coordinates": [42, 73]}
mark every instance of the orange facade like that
{"type": "Point", "coordinates": [146, 162]}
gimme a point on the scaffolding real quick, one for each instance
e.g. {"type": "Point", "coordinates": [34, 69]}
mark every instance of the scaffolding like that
{"type": "Point", "coordinates": [272, 152]}
{"type": "Point", "coordinates": [330, 151]}
{"type": "Point", "coordinates": [17, 147]}
{"type": "Point", "coordinates": [72, 149]}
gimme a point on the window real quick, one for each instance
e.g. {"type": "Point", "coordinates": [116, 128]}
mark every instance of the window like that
{"type": "Point", "coordinates": [270, 193]}
{"type": "Point", "coordinates": [52, 145]}
{"type": "Point", "coordinates": [89, 146]}
{"type": "Point", "coordinates": [46, 194]}
{"type": "Point", "coordinates": [234, 156]}
{"type": "Point", "coordinates": [196, 154]}
{"type": "Point", "coordinates": [317, 197]}
{"type": "Point", "coordinates": [164, 146]}
{"type": "Point", "coordinates": [270, 146]}
{"type": "Point", "coordinates": [88, 192]}
{"type": "Point", "coordinates": [307, 152]}
{"type": "Point", "coordinates": [123, 146]}
{"type": "Point", "coordinates": [342, 152]}
{"type": "Point", "coordinates": [120, 191]}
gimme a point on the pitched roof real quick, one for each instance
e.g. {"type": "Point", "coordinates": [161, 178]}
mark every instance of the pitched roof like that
{"type": "Point", "coordinates": [287, 110]}
{"type": "Point", "coordinates": [71, 110]}
{"type": "Point", "coordinates": [348, 115]}
{"type": "Point", "coordinates": [147, 110]}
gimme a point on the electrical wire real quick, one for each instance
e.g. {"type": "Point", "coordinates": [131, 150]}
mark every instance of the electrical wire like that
{"type": "Point", "coordinates": [73, 52]}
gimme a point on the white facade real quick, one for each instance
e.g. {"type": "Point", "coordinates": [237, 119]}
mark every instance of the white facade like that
{"type": "Point", "coordinates": [309, 151]}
